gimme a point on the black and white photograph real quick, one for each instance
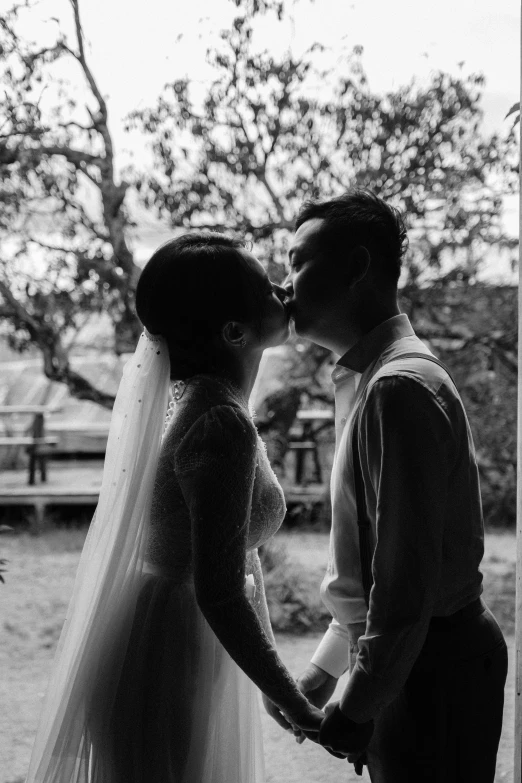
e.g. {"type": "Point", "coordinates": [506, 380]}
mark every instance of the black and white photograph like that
{"type": "Point", "coordinates": [260, 415]}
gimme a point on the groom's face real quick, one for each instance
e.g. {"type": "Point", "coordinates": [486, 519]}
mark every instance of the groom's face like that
{"type": "Point", "coordinates": [314, 283]}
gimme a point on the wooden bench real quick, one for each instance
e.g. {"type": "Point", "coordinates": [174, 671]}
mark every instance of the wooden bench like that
{"type": "Point", "coordinates": [77, 440]}
{"type": "Point", "coordinates": [37, 441]}
{"type": "Point", "coordinates": [39, 498]}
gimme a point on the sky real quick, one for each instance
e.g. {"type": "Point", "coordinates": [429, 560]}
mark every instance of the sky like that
{"type": "Point", "coordinates": [136, 47]}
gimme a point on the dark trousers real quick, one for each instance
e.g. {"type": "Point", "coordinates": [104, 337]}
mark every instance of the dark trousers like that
{"type": "Point", "coordinates": [445, 725]}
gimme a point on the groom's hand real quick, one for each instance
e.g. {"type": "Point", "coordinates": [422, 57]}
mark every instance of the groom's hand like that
{"type": "Point", "coordinates": [339, 734]}
{"type": "Point", "coordinates": [317, 685]}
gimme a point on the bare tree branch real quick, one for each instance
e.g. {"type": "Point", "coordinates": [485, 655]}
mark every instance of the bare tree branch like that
{"type": "Point", "coordinates": [49, 246]}
{"type": "Point", "coordinates": [81, 57]}
{"type": "Point", "coordinates": [10, 155]}
{"type": "Point", "coordinates": [105, 274]}
{"type": "Point", "coordinates": [55, 361]}
{"type": "Point", "coordinates": [101, 121]}
{"type": "Point", "coordinates": [284, 223]}
{"type": "Point", "coordinates": [19, 310]}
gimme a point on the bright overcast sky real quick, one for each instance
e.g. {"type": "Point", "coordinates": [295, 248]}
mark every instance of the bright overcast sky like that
{"type": "Point", "coordinates": [135, 51]}
{"type": "Point", "coordinates": [134, 47]}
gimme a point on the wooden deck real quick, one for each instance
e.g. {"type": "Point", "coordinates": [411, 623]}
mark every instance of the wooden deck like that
{"type": "Point", "coordinates": [77, 484]}
{"type": "Point", "coordinates": [65, 485]}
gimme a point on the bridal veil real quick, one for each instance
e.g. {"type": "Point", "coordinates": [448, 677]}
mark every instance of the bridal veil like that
{"type": "Point", "coordinates": [99, 617]}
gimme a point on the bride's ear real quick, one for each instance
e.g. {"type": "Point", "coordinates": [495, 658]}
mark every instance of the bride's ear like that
{"type": "Point", "coordinates": [359, 264]}
{"type": "Point", "coordinates": [233, 333]}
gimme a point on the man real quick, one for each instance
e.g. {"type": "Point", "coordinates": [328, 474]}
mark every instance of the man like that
{"type": "Point", "coordinates": [428, 661]}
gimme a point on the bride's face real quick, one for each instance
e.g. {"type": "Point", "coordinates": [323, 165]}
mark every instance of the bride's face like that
{"type": "Point", "coordinates": [271, 325]}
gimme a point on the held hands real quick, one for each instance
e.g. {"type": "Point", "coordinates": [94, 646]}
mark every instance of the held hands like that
{"type": "Point", "coordinates": [344, 737]}
{"type": "Point", "coordinates": [308, 720]}
{"type": "Point", "coordinates": [338, 734]}
{"type": "Point", "coordinates": [275, 713]}
{"type": "Point", "coordinates": [318, 686]}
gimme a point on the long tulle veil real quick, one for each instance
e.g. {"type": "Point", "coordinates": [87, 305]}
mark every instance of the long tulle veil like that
{"type": "Point", "coordinates": [70, 738]}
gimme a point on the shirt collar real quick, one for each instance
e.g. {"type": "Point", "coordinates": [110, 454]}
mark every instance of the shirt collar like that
{"type": "Point", "coordinates": [359, 357]}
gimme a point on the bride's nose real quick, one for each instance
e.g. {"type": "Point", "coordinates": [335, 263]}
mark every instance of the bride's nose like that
{"type": "Point", "coordinates": [288, 287]}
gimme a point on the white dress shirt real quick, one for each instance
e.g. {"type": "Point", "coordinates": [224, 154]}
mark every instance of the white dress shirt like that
{"type": "Point", "coordinates": [423, 501]}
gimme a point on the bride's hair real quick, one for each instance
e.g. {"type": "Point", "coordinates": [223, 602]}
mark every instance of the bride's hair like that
{"type": "Point", "coordinates": [191, 286]}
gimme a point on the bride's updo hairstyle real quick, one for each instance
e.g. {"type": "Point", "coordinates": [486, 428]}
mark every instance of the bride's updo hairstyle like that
{"type": "Point", "coordinates": [189, 289]}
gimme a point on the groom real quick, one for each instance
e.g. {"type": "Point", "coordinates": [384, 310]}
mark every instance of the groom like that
{"type": "Point", "coordinates": [427, 659]}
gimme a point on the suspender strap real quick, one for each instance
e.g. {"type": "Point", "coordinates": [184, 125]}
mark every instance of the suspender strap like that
{"type": "Point", "coordinates": [363, 520]}
{"type": "Point", "coordinates": [363, 524]}
{"type": "Point", "coordinates": [418, 355]}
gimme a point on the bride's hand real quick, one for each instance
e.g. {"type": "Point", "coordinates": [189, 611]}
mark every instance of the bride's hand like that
{"type": "Point", "coordinates": [275, 713]}
{"type": "Point", "coordinates": [307, 721]}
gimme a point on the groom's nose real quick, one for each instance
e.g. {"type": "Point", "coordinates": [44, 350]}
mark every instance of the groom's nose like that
{"type": "Point", "coordinates": [280, 291]}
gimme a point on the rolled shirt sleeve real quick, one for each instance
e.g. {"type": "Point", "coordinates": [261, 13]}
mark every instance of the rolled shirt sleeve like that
{"type": "Point", "coordinates": [338, 648]}
{"type": "Point", "coordinates": [406, 445]}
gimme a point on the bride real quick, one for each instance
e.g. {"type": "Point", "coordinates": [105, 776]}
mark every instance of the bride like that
{"type": "Point", "coordinates": [167, 632]}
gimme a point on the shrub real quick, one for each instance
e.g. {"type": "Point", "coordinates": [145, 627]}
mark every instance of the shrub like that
{"type": "Point", "coordinates": [292, 593]}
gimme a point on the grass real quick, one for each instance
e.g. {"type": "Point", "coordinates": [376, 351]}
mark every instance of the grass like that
{"type": "Point", "coordinates": [295, 562]}
{"type": "Point", "coordinates": [39, 579]}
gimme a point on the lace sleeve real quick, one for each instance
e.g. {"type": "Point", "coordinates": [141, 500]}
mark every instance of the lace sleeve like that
{"type": "Point", "coordinates": [259, 601]}
{"type": "Point", "coordinates": [215, 465]}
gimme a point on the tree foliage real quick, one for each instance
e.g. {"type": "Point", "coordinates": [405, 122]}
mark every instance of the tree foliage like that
{"type": "Point", "coordinates": [271, 132]}
{"type": "Point", "coordinates": [473, 328]}
{"type": "Point", "coordinates": [63, 221]}
{"type": "Point", "coordinates": [268, 133]}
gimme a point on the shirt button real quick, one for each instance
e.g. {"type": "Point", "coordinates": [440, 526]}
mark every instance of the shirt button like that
{"type": "Point", "coordinates": [343, 420]}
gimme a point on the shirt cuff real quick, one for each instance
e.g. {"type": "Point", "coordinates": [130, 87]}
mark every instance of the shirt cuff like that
{"type": "Point", "coordinates": [333, 653]}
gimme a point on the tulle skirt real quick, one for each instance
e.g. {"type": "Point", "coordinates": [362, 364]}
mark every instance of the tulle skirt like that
{"type": "Point", "coordinates": [183, 711]}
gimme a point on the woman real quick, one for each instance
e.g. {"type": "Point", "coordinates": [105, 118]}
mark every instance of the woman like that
{"type": "Point", "coordinates": [165, 637]}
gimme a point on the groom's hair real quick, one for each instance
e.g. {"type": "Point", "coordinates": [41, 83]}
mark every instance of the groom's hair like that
{"type": "Point", "coordinates": [359, 217]}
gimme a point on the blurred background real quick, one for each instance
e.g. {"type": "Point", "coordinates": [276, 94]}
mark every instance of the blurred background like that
{"type": "Point", "coordinates": [122, 124]}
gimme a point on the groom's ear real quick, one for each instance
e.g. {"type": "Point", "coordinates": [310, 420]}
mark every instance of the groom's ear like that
{"type": "Point", "coordinates": [358, 264]}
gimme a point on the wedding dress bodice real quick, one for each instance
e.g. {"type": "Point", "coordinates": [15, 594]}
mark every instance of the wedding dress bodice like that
{"type": "Point", "coordinates": [216, 407]}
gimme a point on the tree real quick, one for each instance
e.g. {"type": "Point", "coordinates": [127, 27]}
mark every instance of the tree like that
{"type": "Point", "coordinates": [63, 221]}
{"type": "Point", "coordinates": [270, 133]}
{"type": "Point", "coordinates": [473, 328]}
{"type": "Point", "coordinates": [63, 216]}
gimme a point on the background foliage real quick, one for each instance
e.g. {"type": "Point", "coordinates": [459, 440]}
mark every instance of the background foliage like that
{"type": "Point", "coordinates": [241, 155]}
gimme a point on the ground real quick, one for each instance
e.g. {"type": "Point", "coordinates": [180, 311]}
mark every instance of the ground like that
{"type": "Point", "coordinates": [35, 596]}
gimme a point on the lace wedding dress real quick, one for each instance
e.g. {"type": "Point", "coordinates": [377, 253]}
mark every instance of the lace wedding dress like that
{"type": "Point", "coordinates": [186, 710]}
